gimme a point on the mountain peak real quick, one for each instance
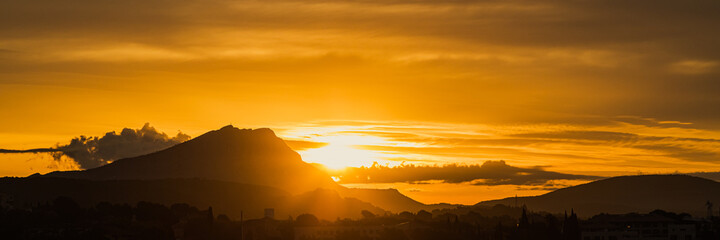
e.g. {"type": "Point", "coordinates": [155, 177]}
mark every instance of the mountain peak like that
{"type": "Point", "coordinates": [227, 128]}
{"type": "Point", "coordinates": [232, 130]}
{"type": "Point", "coordinates": [265, 131]}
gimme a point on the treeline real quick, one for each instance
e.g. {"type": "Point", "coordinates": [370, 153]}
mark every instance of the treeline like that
{"type": "Point", "coordinates": [63, 218]}
{"type": "Point", "coordinates": [496, 223]}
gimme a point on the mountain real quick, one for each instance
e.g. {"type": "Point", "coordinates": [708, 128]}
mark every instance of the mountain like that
{"type": "Point", "coordinates": [678, 193]}
{"type": "Point", "coordinates": [253, 157]}
{"type": "Point", "coordinates": [229, 154]}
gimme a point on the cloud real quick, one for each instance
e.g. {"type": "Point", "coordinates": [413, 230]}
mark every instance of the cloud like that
{"type": "Point", "coordinates": [470, 151]}
{"type": "Point", "coordinates": [490, 173]}
{"type": "Point", "coordinates": [300, 145]}
{"type": "Point", "coordinates": [35, 150]}
{"type": "Point", "coordinates": [606, 136]}
{"type": "Point", "coordinates": [500, 57]}
{"type": "Point", "coordinates": [91, 152]}
{"type": "Point", "coordinates": [611, 146]}
{"type": "Point", "coordinates": [686, 148]}
{"type": "Point", "coordinates": [694, 67]}
{"type": "Point", "coordinates": [651, 122]}
{"type": "Point", "coordinates": [580, 67]}
{"type": "Point", "coordinates": [687, 153]}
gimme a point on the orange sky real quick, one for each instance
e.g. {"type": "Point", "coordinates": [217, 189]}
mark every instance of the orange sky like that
{"type": "Point", "coordinates": [599, 88]}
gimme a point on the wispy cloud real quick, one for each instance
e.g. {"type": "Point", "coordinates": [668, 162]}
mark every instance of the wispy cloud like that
{"type": "Point", "coordinates": [694, 66]}
{"type": "Point", "coordinates": [622, 146]}
{"type": "Point", "coordinates": [299, 145]}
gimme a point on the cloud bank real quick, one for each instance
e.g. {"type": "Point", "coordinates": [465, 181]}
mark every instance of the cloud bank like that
{"type": "Point", "coordinates": [91, 152]}
{"type": "Point", "coordinates": [514, 60]}
{"type": "Point", "coordinates": [490, 173]}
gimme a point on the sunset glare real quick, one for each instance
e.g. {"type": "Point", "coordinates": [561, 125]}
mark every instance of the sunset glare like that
{"type": "Point", "coordinates": [342, 151]}
{"type": "Point", "coordinates": [447, 101]}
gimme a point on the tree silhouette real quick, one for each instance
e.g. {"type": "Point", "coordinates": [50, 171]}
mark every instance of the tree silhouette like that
{"type": "Point", "coordinates": [307, 219]}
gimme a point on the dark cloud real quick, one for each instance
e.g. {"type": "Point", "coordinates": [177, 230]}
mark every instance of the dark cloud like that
{"type": "Point", "coordinates": [609, 58]}
{"type": "Point", "coordinates": [510, 22]}
{"type": "Point", "coordinates": [469, 151]}
{"type": "Point", "coordinates": [607, 136]}
{"type": "Point", "coordinates": [688, 149]}
{"type": "Point", "coordinates": [489, 173]}
{"type": "Point", "coordinates": [650, 122]}
{"type": "Point", "coordinates": [470, 141]}
{"type": "Point", "coordinates": [585, 135]}
{"type": "Point", "coordinates": [36, 150]}
{"type": "Point", "coordinates": [684, 152]}
{"type": "Point", "coordinates": [91, 152]}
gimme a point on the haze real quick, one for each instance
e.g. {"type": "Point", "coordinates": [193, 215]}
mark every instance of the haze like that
{"type": "Point", "coordinates": [582, 88]}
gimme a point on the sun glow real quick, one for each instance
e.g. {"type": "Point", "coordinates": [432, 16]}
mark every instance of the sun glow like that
{"type": "Point", "coordinates": [342, 151]}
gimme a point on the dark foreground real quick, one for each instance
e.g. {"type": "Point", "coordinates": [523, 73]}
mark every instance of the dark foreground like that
{"type": "Point", "coordinates": [63, 218]}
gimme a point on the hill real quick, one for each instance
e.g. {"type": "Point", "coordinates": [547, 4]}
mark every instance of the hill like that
{"type": "Point", "coordinates": [390, 199]}
{"type": "Point", "coordinates": [678, 193]}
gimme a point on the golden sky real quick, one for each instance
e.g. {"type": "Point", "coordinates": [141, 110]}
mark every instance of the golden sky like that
{"type": "Point", "coordinates": [597, 88]}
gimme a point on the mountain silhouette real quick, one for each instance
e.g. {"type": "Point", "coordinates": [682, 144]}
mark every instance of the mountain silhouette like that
{"type": "Point", "coordinates": [228, 154]}
{"type": "Point", "coordinates": [251, 157]}
{"type": "Point", "coordinates": [328, 204]}
{"type": "Point", "coordinates": [679, 193]}
{"type": "Point", "coordinates": [391, 199]}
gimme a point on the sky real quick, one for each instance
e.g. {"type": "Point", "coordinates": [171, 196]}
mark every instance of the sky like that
{"type": "Point", "coordinates": [586, 88]}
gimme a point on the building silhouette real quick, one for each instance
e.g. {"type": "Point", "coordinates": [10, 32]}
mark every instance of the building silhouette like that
{"type": "Point", "coordinates": [653, 226]}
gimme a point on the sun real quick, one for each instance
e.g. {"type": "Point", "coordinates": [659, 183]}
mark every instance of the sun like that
{"type": "Point", "coordinates": [343, 151]}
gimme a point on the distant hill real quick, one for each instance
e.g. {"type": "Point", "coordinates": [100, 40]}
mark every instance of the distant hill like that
{"type": "Point", "coordinates": [709, 175]}
{"type": "Point", "coordinates": [328, 204]}
{"type": "Point", "coordinates": [678, 193]}
{"type": "Point", "coordinates": [391, 199]}
{"type": "Point", "coordinates": [254, 157]}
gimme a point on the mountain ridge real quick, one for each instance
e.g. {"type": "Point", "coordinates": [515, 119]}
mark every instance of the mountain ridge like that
{"type": "Point", "coordinates": [623, 194]}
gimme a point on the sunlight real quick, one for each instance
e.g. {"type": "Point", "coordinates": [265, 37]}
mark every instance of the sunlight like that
{"type": "Point", "coordinates": [341, 151]}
